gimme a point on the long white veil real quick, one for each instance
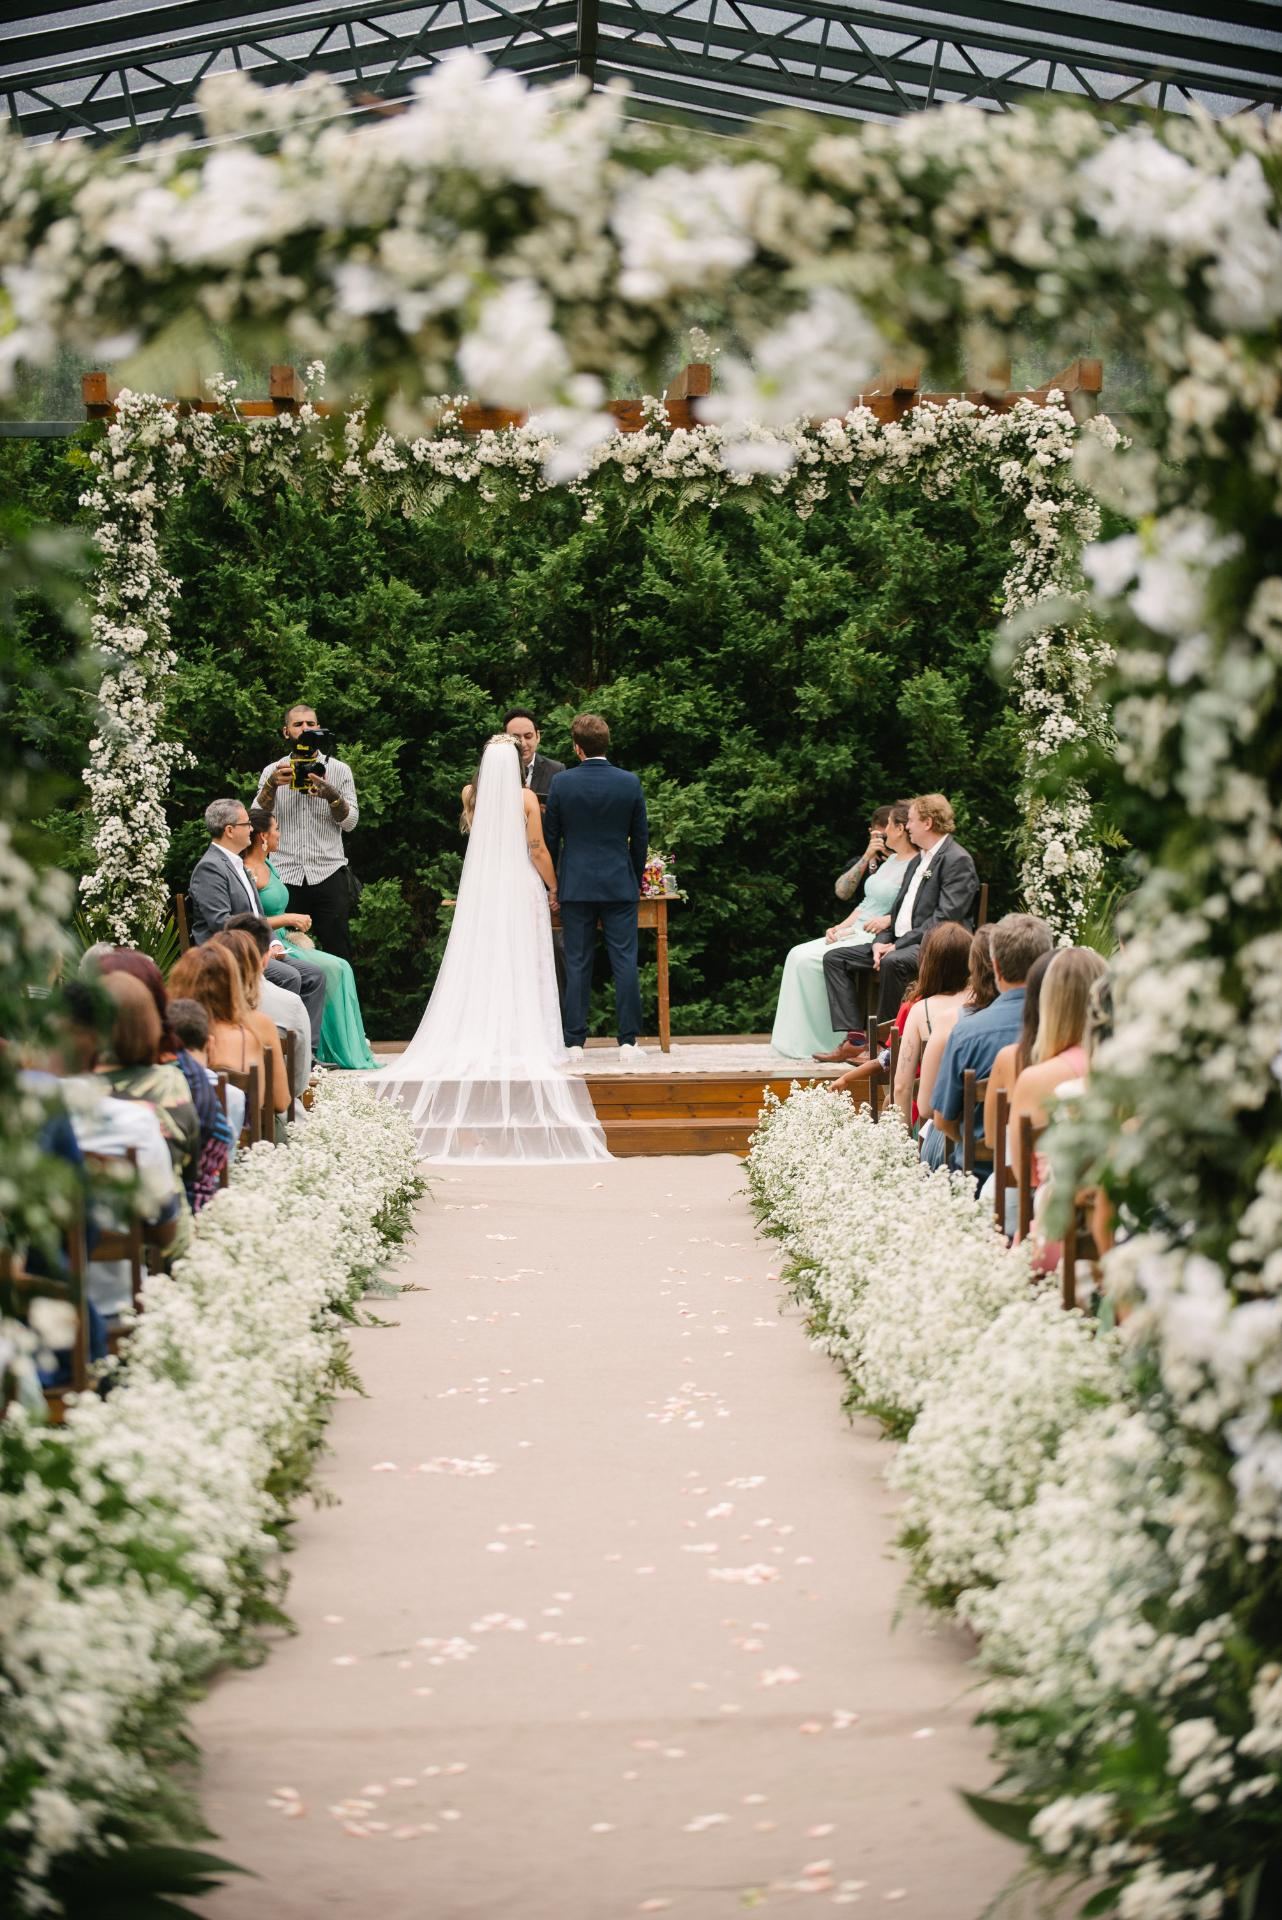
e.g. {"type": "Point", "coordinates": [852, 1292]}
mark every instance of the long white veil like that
{"type": "Point", "coordinates": [484, 1078]}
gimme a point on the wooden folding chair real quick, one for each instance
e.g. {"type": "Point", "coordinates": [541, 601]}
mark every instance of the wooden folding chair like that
{"type": "Point", "coordinates": [123, 1242]}
{"type": "Point", "coordinates": [973, 1091]}
{"type": "Point", "coordinates": [180, 922]}
{"type": "Point", "coordinates": [880, 1079]}
{"type": "Point", "coordinates": [252, 1131]}
{"type": "Point", "coordinates": [18, 1289]}
{"type": "Point", "coordinates": [1001, 1168]}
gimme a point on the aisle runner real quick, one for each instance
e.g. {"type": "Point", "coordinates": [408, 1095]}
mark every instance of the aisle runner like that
{"type": "Point", "coordinates": [602, 1624]}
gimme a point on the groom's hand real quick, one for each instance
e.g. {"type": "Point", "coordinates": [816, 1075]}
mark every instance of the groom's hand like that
{"type": "Point", "coordinates": [879, 948]}
{"type": "Point", "coordinates": [554, 905]}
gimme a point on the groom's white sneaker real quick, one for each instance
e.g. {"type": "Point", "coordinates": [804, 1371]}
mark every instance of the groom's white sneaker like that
{"type": "Point", "coordinates": [632, 1055]}
{"type": "Point", "coordinates": [575, 1056]}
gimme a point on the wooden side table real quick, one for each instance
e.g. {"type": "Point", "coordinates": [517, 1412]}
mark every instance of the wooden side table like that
{"type": "Point", "coordinates": [652, 911]}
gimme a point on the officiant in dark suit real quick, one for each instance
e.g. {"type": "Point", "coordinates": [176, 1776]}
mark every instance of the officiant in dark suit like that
{"type": "Point", "coordinates": [220, 886]}
{"type": "Point", "coordinates": [595, 828]}
{"type": "Point", "coordinates": [538, 770]}
{"type": "Point", "coordinates": [940, 884]}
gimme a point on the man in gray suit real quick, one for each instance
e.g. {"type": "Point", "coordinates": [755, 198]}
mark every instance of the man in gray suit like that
{"type": "Point", "coordinates": [940, 884]}
{"type": "Point", "coordinates": [219, 887]}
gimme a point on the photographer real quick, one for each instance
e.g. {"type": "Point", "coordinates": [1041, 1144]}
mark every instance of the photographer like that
{"type": "Point", "coordinates": [313, 797]}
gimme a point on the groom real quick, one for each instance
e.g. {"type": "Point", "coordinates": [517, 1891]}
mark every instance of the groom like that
{"type": "Point", "coordinates": [595, 828]}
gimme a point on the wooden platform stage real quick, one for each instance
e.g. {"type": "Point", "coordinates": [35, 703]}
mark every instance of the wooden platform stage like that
{"type": "Point", "coordinates": [701, 1097]}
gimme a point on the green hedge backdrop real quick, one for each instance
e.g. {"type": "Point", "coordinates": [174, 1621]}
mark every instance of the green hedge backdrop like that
{"type": "Point", "coordinates": [770, 679]}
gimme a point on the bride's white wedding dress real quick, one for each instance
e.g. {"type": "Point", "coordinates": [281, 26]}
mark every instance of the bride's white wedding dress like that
{"type": "Point", "coordinates": [484, 1078]}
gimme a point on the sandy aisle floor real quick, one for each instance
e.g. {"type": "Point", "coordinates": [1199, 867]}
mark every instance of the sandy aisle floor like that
{"type": "Point", "coordinates": [604, 1621]}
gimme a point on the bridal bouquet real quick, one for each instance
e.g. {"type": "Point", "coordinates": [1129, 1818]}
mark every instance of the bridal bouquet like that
{"type": "Point", "coordinates": [660, 877]}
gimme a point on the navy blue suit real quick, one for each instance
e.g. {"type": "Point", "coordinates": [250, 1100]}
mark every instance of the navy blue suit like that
{"type": "Point", "coordinates": [595, 828]}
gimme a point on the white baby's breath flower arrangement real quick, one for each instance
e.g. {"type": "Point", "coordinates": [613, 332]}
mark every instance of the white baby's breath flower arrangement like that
{"type": "Point", "coordinates": [139, 1542]}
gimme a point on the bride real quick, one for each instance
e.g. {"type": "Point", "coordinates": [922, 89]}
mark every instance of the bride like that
{"type": "Point", "coordinates": [484, 1078]}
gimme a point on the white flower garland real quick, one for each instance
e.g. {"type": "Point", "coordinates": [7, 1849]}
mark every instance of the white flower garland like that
{"type": "Point", "coordinates": [1065, 1516]}
{"type": "Point", "coordinates": [131, 1536]}
{"type": "Point", "coordinates": [1028, 454]}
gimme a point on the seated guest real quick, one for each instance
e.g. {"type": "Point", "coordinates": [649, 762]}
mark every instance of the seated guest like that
{"type": "Point", "coordinates": [942, 978]}
{"type": "Point", "coordinates": [219, 886]}
{"type": "Point", "coordinates": [210, 975]}
{"type": "Point", "coordinates": [939, 884]}
{"type": "Point", "coordinates": [143, 968]}
{"type": "Point", "coordinates": [981, 991]}
{"type": "Point", "coordinates": [1012, 1059]}
{"type": "Point", "coordinates": [1059, 1054]}
{"type": "Point", "coordinates": [342, 1031]}
{"type": "Point", "coordinates": [975, 1043]}
{"type": "Point", "coordinates": [802, 1026]}
{"type": "Point", "coordinates": [284, 1010]}
{"type": "Point", "coordinates": [108, 1125]}
{"type": "Point", "coordinates": [249, 962]}
{"type": "Point", "coordinates": [852, 881]}
{"type": "Point", "coordinates": [190, 1025]}
{"type": "Point", "coordinates": [147, 1069]}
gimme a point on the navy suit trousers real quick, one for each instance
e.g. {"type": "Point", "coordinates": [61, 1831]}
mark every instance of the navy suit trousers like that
{"type": "Point", "coordinates": [619, 924]}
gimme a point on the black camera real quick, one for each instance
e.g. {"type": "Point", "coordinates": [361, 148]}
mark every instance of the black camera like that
{"type": "Point", "coordinates": [306, 758]}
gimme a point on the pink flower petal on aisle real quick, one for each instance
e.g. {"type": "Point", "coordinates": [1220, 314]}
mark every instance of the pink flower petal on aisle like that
{"type": "Point", "coordinates": [702, 1821]}
{"type": "Point", "coordinates": [385, 1466]}
{"type": "Point", "coordinates": [654, 1906]}
{"type": "Point", "coordinates": [821, 1832]}
{"type": "Point", "coordinates": [778, 1677]}
{"type": "Point", "coordinates": [601, 1826]}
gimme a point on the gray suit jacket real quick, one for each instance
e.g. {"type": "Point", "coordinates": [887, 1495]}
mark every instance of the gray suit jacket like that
{"type": "Point", "coordinates": [213, 895]}
{"type": "Point", "coordinates": [950, 891]}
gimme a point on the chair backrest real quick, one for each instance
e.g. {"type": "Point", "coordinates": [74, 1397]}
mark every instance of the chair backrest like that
{"type": "Point", "coordinates": [289, 1047]}
{"type": "Point", "coordinates": [248, 1084]}
{"type": "Point", "coordinates": [267, 1124]}
{"type": "Point", "coordinates": [981, 913]}
{"type": "Point", "coordinates": [220, 1094]}
{"type": "Point", "coordinates": [1028, 1134]}
{"type": "Point", "coordinates": [18, 1289]}
{"type": "Point", "coordinates": [973, 1091]}
{"type": "Point", "coordinates": [1079, 1244]}
{"type": "Point", "coordinates": [1001, 1169]}
{"type": "Point", "coordinates": [181, 923]}
{"type": "Point", "coordinates": [122, 1242]}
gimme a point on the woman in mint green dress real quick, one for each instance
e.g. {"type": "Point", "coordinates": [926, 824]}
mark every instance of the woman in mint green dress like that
{"type": "Point", "coordinates": [803, 1025]}
{"type": "Point", "coordinates": [342, 1035]}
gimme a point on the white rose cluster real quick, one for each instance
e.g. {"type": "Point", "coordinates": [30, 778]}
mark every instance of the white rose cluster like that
{"type": "Point", "coordinates": [134, 1538]}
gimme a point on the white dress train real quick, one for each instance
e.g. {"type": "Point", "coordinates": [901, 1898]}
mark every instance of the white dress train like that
{"type": "Point", "coordinates": [484, 1079]}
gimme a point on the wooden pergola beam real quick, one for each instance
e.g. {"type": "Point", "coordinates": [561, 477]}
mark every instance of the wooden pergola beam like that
{"type": "Point", "coordinates": [896, 391]}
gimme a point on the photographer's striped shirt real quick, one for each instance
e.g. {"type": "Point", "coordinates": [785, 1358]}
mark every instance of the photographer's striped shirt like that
{"type": "Point", "coordinates": [311, 844]}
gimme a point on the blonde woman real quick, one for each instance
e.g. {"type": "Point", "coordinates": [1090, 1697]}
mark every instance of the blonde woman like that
{"type": "Point", "coordinates": [1059, 1054]}
{"type": "Point", "coordinates": [243, 949]}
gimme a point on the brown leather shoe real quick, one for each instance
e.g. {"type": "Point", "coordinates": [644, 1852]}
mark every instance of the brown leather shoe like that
{"type": "Point", "coordinates": [852, 1056]}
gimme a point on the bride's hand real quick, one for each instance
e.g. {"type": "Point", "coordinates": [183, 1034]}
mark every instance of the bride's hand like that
{"type": "Point", "coordinates": [833, 933]}
{"type": "Point", "coordinates": [554, 905]}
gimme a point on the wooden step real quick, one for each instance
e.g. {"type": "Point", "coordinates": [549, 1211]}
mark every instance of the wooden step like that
{"type": "Point", "coordinates": [653, 1097]}
{"type": "Point", "coordinates": [629, 1139]}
